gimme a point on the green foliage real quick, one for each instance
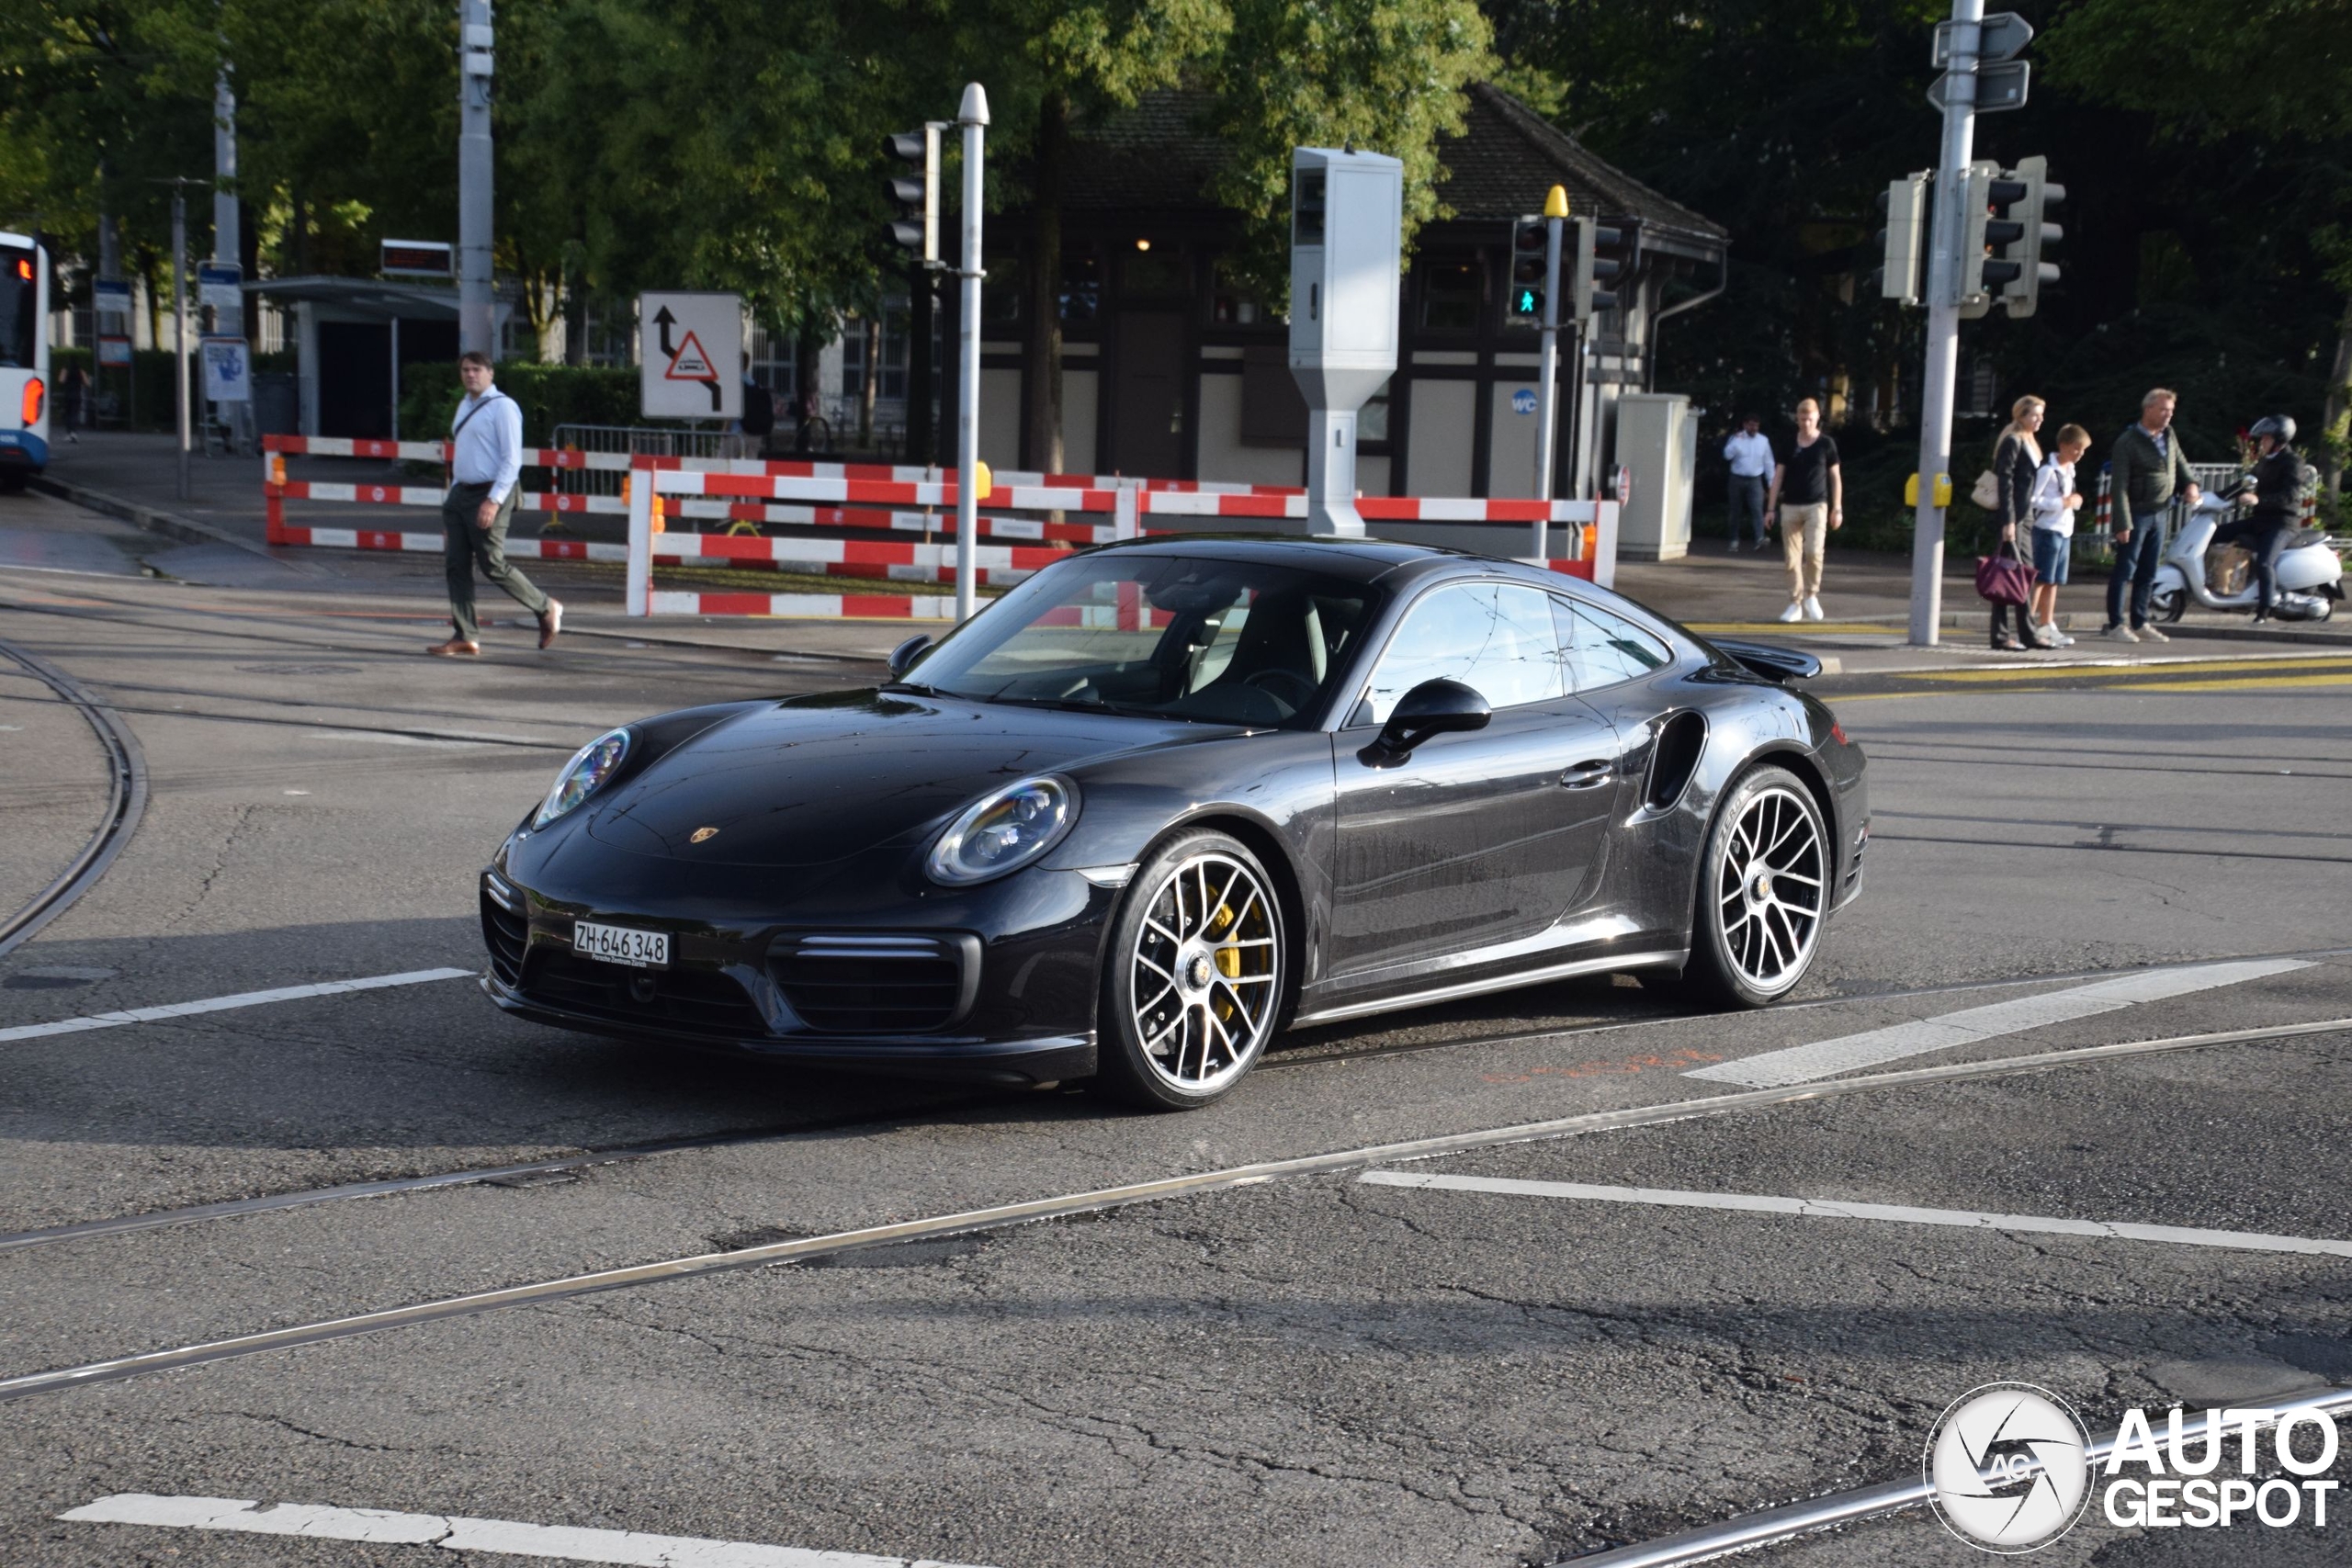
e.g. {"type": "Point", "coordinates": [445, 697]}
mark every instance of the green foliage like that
{"type": "Point", "coordinates": [549, 395]}
{"type": "Point", "coordinates": [1385, 76]}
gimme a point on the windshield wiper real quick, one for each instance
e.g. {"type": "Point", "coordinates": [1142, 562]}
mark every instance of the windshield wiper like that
{"type": "Point", "coordinates": [918, 688]}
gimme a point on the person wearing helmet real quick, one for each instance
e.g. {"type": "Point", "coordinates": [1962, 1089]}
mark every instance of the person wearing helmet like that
{"type": "Point", "coordinates": [2276, 483]}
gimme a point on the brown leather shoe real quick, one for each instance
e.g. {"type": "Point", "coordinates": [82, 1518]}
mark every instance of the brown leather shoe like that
{"type": "Point", "coordinates": [551, 623]}
{"type": "Point", "coordinates": [456, 648]}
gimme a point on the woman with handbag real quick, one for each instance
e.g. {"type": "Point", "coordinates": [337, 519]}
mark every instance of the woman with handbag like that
{"type": "Point", "coordinates": [2016, 456]}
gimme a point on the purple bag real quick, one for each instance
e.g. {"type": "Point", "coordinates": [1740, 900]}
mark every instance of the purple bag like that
{"type": "Point", "coordinates": [2004, 579]}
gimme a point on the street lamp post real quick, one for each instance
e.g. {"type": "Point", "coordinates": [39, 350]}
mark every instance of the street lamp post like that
{"type": "Point", "coordinates": [180, 326]}
{"type": "Point", "coordinates": [474, 171]}
{"type": "Point", "coordinates": [973, 116]}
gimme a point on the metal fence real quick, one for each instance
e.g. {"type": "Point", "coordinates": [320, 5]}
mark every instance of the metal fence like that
{"type": "Point", "coordinates": [632, 439]}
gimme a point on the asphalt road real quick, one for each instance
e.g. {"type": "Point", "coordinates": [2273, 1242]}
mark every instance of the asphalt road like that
{"type": "Point", "coordinates": [1335, 1367]}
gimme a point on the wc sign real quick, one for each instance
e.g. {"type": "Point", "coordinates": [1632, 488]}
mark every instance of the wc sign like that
{"type": "Point", "coordinates": [1523, 400]}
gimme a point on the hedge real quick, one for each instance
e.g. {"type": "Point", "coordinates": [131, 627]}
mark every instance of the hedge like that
{"type": "Point", "coordinates": [551, 395]}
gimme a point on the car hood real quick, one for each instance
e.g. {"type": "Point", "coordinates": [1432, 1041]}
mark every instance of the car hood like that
{"type": "Point", "coordinates": [808, 781]}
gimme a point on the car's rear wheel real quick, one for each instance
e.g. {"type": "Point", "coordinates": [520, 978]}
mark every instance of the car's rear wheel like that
{"type": "Point", "coordinates": [1763, 891]}
{"type": "Point", "coordinates": [1197, 965]}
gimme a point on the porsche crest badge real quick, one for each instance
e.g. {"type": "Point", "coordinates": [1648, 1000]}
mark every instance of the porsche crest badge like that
{"type": "Point", "coordinates": [702, 833]}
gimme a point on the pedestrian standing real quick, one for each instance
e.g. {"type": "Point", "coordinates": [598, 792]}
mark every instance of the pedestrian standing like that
{"type": "Point", "coordinates": [73, 399]}
{"type": "Point", "coordinates": [1749, 453]}
{"type": "Point", "coordinates": [2017, 457]}
{"type": "Point", "coordinates": [2054, 500]}
{"type": "Point", "coordinates": [2278, 482]}
{"type": "Point", "coordinates": [2146, 471]}
{"type": "Point", "coordinates": [750, 436]}
{"type": "Point", "coordinates": [485, 471]}
{"type": "Point", "coordinates": [1808, 500]}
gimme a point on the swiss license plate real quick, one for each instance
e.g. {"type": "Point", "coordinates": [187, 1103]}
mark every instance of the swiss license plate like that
{"type": "Point", "coordinates": [619, 944]}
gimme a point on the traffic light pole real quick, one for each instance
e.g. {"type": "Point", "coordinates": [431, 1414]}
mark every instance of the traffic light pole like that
{"type": "Point", "coordinates": [1944, 272]}
{"type": "Point", "coordinates": [1556, 213]}
{"type": "Point", "coordinates": [974, 118]}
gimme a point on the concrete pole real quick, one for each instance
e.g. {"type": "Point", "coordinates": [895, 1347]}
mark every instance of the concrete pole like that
{"type": "Point", "coordinates": [973, 117]}
{"type": "Point", "coordinates": [1944, 273]}
{"type": "Point", "coordinates": [474, 220]}
{"type": "Point", "coordinates": [226, 240]}
{"type": "Point", "coordinates": [1556, 210]}
{"type": "Point", "coordinates": [180, 327]}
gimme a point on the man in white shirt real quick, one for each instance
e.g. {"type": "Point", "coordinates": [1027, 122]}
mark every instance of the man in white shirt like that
{"type": "Point", "coordinates": [1749, 453]}
{"type": "Point", "coordinates": [485, 471]}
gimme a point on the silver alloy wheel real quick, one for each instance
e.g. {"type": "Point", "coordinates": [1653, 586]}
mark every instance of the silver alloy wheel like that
{"type": "Point", "coordinates": [1207, 973]}
{"type": "Point", "coordinates": [1769, 892]}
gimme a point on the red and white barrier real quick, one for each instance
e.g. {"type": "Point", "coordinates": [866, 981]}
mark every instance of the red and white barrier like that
{"type": "Point", "coordinates": [870, 496]}
{"type": "Point", "coordinates": [1079, 510]}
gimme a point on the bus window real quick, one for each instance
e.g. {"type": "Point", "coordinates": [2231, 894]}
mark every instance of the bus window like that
{"type": "Point", "coordinates": [19, 301]}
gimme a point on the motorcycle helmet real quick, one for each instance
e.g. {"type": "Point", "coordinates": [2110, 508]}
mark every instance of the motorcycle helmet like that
{"type": "Point", "coordinates": [2277, 426]}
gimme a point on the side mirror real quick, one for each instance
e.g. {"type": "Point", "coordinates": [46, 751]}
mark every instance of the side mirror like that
{"type": "Point", "coordinates": [1434, 708]}
{"type": "Point", "coordinates": [903, 657]}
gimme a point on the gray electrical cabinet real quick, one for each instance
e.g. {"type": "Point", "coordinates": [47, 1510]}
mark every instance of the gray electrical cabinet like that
{"type": "Point", "coordinates": [1657, 440]}
{"type": "Point", "coordinates": [1347, 220]}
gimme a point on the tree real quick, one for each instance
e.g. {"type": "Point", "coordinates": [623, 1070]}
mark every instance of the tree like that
{"type": "Point", "coordinates": [2273, 77]}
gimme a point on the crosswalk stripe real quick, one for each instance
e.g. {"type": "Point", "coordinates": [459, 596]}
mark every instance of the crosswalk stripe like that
{"type": "Point", "coordinates": [1822, 1059]}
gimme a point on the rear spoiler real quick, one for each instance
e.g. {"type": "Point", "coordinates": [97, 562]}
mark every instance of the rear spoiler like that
{"type": "Point", "coordinates": [1772, 662]}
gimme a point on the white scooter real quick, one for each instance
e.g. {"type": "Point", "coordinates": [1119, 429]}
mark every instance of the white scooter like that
{"type": "Point", "coordinates": [2310, 573]}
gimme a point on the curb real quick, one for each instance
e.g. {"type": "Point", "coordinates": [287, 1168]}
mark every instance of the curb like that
{"type": "Point", "coordinates": [151, 520]}
{"type": "Point", "coordinates": [2249, 632]}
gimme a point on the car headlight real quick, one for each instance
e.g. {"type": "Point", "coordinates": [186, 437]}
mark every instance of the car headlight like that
{"type": "Point", "coordinates": [589, 768]}
{"type": "Point", "coordinates": [1004, 831]}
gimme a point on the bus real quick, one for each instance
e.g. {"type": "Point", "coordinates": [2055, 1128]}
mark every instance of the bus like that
{"type": "Point", "coordinates": [24, 360]}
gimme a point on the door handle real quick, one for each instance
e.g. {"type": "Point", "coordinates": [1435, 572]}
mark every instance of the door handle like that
{"type": "Point", "coordinates": [1585, 775]}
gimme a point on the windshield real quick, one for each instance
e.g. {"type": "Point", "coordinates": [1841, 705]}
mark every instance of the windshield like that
{"type": "Point", "coordinates": [1217, 641]}
{"type": "Point", "coordinates": [19, 320]}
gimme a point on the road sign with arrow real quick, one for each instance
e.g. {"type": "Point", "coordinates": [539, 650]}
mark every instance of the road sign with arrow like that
{"type": "Point", "coordinates": [690, 353]}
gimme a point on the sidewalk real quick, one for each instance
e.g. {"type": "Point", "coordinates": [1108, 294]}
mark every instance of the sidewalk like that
{"type": "Point", "coordinates": [220, 534]}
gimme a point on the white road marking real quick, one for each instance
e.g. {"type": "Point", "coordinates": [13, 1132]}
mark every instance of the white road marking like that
{"type": "Point", "coordinates": [385, 738]}
{"type": "Point", "coordinates": [227, 1004]}
{"type": "Point", "coordinates": [1830, 1209]}
{"type": "Point", "coordinates": [1801, 1063]}
{"type": "Point", "coordinates": [457, 1534]}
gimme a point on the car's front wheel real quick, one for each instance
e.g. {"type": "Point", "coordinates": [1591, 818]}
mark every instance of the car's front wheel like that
{"type": "Point", "coordinates": [1197, 965]}
{"type": "Point", "coordinates": [1763, 889]}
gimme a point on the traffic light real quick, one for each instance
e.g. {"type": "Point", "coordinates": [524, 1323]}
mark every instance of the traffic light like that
{"type": "Point", "coordinates": [1524, 305]}
{"type": "Point", "coordinates": [1904, 238]}
{"type": "Point", "coordinates": [917, 194]}
{"type": "Point", "coordinates": [1984, 267]}
{"type": "Point", "coordinates": [1603, 256]}
{"type": "Point", "coordinates": [2022, 293]}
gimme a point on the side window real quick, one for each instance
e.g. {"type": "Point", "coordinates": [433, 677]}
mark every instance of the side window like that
{"type": "Point", "coordinates": [1603, 648]}
{"type": "Point", "coordinates": [1494, 637]}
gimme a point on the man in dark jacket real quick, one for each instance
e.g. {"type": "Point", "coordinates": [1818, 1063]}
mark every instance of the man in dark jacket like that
{"type": "Point", "coordinates": [2147, 470]}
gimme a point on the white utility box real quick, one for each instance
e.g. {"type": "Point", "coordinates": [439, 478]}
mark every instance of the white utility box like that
{"type": "Point", "coordinates": [1658, 439]}
{"type": "Point", "coordinates": [1347, 220]}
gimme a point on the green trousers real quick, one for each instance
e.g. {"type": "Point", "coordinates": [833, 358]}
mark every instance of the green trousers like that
{"type": "Point", "coordinates": [465, 543]}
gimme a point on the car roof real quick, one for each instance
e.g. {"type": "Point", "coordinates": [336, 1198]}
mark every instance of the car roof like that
{"type": "Point", "coordinates": [1355, 560]}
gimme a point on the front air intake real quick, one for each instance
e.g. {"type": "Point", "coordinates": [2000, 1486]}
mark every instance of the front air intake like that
{"type": "Point", "coordinates": [878, 984]}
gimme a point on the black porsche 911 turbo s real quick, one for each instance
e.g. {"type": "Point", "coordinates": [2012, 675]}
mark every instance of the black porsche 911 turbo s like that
{"type": "Point", "coordinates": [1165, 798]}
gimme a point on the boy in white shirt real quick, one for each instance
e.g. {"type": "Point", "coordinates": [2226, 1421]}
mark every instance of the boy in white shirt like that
{"type": "Point", "coordinates": [2055, 500]}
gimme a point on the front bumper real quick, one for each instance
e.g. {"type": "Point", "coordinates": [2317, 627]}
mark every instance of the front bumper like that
{"type": "Point", "coordinates": [1005, 1001]}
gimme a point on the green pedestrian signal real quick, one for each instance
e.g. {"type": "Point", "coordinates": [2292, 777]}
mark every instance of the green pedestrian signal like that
{"type": "Point", "coordinates": [1524, 303]}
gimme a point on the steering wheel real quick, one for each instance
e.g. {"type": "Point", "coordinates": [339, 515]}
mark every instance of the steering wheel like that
{"type": "Point", "coordinates": [1288, 687]}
